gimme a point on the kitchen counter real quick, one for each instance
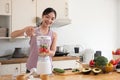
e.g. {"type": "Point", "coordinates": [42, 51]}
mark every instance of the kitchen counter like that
{"type": "Point", "coordinates": [106, 76]}
{"type": "Point", "coordinates": [23, 60]}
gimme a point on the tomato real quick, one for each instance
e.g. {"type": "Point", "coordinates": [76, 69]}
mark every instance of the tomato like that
{"type": "Point", "coordinates": [91, 63]}
{"type": "Point", "coordinates": [41, 50]}
{"type": "Point", "coordinates": [113, 62]}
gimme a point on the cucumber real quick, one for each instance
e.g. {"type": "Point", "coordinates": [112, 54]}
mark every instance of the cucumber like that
{"type": "Point", "coordinates": [59, 70]}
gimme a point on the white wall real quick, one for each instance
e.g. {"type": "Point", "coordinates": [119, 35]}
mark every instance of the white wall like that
{"type": "Point", "coordinates": [118, 23]}
{"type": "Point", "coordinates": [94, 25]}
{"type": "Point", "coordinates": [7, 47]}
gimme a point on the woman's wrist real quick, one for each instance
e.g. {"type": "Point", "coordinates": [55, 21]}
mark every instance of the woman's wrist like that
{"type": "Point", "coordinates": [24, 32]}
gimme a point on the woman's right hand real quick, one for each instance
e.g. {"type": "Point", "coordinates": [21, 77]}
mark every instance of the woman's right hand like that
{"type": "Point", "coordinates": [29, 30]}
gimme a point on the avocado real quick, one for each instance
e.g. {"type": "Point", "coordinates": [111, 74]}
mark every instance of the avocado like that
{"type": "Point", "coordinates": [86, 70]}
{"type": "Point", "coordinates": [96, 70]}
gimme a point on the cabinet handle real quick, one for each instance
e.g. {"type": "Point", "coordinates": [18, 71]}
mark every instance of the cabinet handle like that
{"type": "Point", "coordinates": [16, 71]}
{"type": "Point", "coordinates": [66, 12]}
{"type": "Point", "coordinates": [7, 8]}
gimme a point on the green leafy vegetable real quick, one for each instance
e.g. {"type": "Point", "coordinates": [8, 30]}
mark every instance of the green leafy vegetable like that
{"type": "Point", "coordinates": [100, 61]}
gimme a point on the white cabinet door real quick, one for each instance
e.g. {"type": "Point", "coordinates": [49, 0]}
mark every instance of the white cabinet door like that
{"type": "Point", "coordinates": [65, 64]}
{"type": "Point", "coordinates": [10, 69]}
{"type": "Point", "coordinates": [23, 13]}
{"type": "Point", "coordinates": [23, 68]}
{"type": "Point", "coordinates": [5, 7]}
{"type": "Point", "coordinates": [60, 6]}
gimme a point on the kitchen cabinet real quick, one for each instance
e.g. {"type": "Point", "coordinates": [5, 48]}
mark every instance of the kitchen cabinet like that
{"type": "Point", "coordinates": [13, 69]}
{"type": "Point", "coordinates": [5, 18]}
{"type": "Point", "coordinates": [21, 18]}
{"type": "Point", "coordinates": [23, 13]}
{"type": "Point", "coordinates": [5, 7]}
{"type": "Point", "coordinates": [61, 7]}
{"type": "Point", "coordinates": [22, 67]}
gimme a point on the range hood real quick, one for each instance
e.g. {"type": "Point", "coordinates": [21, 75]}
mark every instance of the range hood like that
{"type": "Point", "coordinates": [61, 22]}
{"type": "Point", "coordinates": [57, 23]}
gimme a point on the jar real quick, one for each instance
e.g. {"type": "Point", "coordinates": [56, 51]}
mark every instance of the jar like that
{"type": "Point", "coordinates": [43, 43]}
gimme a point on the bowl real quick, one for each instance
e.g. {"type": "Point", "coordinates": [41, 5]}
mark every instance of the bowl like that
{"type": "Point", "coordinates": [118, 70]}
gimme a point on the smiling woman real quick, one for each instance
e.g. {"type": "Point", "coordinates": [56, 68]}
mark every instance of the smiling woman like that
{"type": "Point", "coordinates": [48, 18]}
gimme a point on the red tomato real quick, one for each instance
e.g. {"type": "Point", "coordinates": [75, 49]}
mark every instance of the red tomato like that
{"type": "Point", "coordinates": [113, 62]}
{"type": "Point", "coordinates": [41, 50]}
{"type": "Point", "coordinates": [91, 63]}
{"type": "Point", "coordinates": [44, 49]}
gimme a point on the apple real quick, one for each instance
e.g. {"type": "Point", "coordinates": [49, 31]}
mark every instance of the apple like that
{"type": "Point", "coordinates": [91, 63]}
{"type": "Point", "coordinates": [113, 62]}
{"type": "Point", "coordinates": [117, 52]}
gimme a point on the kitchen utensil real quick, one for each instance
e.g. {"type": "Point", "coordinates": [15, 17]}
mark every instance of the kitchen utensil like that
{"type": "Point", "coordinates": [25, 76]}
{"type": "Point", "coordinates": [18, 53]}
{"type": "Point", "coordinates": [76, 49]}
{"type": "Point", "coordinates": [60, 49]}
{"type": "Point", "coordinates": [43, 43]}
{"type": "Point", "coordinates": [21, 77]}
{"type": "Point", "coordinates": [98, 53]}
{"type": "Point", "coordinates": [88, 55]}
{"type": "Point", "coordinates": [61, 54]}
{"type": "Point", "coordinates": [44, 76]}
{"type": "Point", "coordinates": [44, 65]}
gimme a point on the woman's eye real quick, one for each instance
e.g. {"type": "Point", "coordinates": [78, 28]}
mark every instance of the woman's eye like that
{"type": "Point", "coordinates": [47, 16]}
{"type": "Point", "coordinates": [53, 19]}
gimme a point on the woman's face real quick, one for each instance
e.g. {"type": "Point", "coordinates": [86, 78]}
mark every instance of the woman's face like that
{"type": "Point", "coordinates": [48, 20]}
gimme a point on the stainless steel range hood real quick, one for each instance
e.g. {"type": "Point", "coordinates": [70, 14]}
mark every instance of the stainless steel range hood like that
{"type": "Point", "coordinates": [61, 22]}
{"type": "Point", "coordinates": [57, 23]}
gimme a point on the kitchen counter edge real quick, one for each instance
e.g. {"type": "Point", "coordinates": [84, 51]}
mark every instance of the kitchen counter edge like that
{"type": "Point", "coordinates": [23, 60]}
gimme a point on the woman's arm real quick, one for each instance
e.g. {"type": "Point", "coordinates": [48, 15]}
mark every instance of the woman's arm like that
{"type": "Point", "coordinates": [17, 33]}
{"type": "Point", "coordinates": [53, 45]}
{"type": "Point", "coordinates": [28, 30]}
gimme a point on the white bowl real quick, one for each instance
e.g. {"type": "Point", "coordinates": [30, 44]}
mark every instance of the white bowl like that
{"type": "Point", "coordinates": [118, 70]}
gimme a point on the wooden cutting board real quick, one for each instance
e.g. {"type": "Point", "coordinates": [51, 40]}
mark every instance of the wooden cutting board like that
{"type": "Point", "coordinates": [67, 72]}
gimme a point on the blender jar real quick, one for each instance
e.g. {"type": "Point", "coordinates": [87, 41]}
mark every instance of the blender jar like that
{"type": "Point", "coordinates": [43, 43]}
{"type": "Point", "coordinates": [44, 65]}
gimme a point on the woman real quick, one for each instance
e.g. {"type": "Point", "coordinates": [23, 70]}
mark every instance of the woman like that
{"type": "Point", "coordinates": [48, 18]}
